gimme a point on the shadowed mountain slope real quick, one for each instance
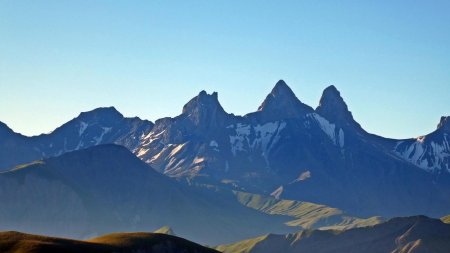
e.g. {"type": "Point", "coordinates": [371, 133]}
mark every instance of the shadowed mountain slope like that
{"type": "Point", "coordinates": [100, 126]}
{"type": "Point", "coordinates": [106, 188]}
{"type": "Point", "coordinates": [417, 234]}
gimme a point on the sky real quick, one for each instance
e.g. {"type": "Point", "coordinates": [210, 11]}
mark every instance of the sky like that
{"type": "Point", "coordinates": [389, 59]}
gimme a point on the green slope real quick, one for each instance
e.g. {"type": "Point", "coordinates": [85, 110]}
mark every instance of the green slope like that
{"type": "Point", "coordinates": [446, 219]}
{"type": "Point", "coordinates": [244, 246]}
{"type": "Point", "coordinates": [304, 214]}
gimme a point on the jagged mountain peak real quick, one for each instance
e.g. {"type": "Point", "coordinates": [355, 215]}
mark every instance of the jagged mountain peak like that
{"type": "Point", "coordinates": [282, 89]}
{"type": "Point", "coordinates": [281, 92]}
{"type": "Point", "coordinates": [282, 102]}
{"type": "Point", "coordinates": [444, 123]}
{"type": "Point", "coordinates": [203, 101]}
{"type": "Point", "coordinates": [204, 108]}
{"type": "Point", "coordinates": [332, 91]}
{"type": "Point", "coordinates": [333, 107]}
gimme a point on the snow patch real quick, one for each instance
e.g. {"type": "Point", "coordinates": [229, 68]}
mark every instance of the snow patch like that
{"type": "Point", "coordinates": [429, 156]}
{"type": "Point", "coordinates": [277, 193]}
{"type": "Point", "coordinates": [155, 157]}
{"type": "Point", "coordinates": [326, 126]}
{"type": "Point", "coordinates": [258, 137]}
{"type": "Point", "coordinates": [341, 138]}
{"type": "Point", "coordinates": [80, 145]}
{"type": "Point", "coordinates": [305, 175]}
{"type": "Point", "coordinates": [152, 136]}
{"type": "Point", "coordinates": [142, 152]}
{"type": "Point", "coordinates": [100, 138]}
{"type": "Point", "coordinates": [83, 126]}
{"type": "Point", "coordinates": [213, 144]}
{"type": "Point", "coordinates": [335, 135]}
{"type": "Point", "coordinates": [198, 160]}
{"type": "Point", "coordinates": [177, 149]}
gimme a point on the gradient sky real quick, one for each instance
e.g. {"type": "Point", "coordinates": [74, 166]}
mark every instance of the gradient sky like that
{"type": "Point", "coordinates": [389, 59]}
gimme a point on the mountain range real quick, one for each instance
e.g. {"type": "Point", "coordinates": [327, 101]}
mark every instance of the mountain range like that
{"type": "Point", "coordinates": [285, 149]}
{"type": "Point", "coordinates": [416, 234]}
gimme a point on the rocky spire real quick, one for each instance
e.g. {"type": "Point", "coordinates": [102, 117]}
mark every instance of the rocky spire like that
{"type": "Point", "coordinates": [282, 102]}
{"type": "Point", "coordinates": [333, 107]}
{"type": "Point", "coordinates": [444, 123]}
{"type": "Point", "coordinates": [204, 108]}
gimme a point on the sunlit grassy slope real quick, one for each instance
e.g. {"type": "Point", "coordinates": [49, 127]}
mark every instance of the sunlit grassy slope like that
{"type": "Point", "coordinates": [304, 214]}
{"type": "Point", "coordinates": [446, 219]}
{"type": "Point", "coordinates": [165, 230]}
{"type": "Point", "coordinates": [14, 242]}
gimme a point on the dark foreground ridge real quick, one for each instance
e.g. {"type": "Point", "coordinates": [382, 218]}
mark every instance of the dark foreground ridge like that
{"type": "Point", "coordinates": [15, 242]}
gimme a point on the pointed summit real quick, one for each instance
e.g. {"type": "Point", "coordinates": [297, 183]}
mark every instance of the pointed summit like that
{"type": "Point", "coordinates": [282, 90]}
{"type": "Point", "coordinates": [444, 123]}
{"type": "Point", "coordinates": [333, 107]}
{"type": "Point", "coordinates": [282, 102]}
{"type": "Point", "coordinates": [204, 108]}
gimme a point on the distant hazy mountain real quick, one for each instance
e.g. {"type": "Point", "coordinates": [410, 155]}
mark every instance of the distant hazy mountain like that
{"type": "Point", "coordinates": [399, 235]}
{"type": "Point", "coordinates": [99, 126]}
{"type": "Point", "coordinates": [285, 148]}
{"type": "Point", "coordinates": [14, 242]}
{"type": "Point", "coordinates": [106, 188]}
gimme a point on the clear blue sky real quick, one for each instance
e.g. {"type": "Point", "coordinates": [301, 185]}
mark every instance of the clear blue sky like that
{"type": "Point", "coordinates": [389, 59]}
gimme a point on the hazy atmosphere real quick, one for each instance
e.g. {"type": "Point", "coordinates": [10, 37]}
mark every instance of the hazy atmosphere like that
{"type": "Point", "coordinates": [224, 126]}
{"type": "Point", "coordinates": [389, 59]}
